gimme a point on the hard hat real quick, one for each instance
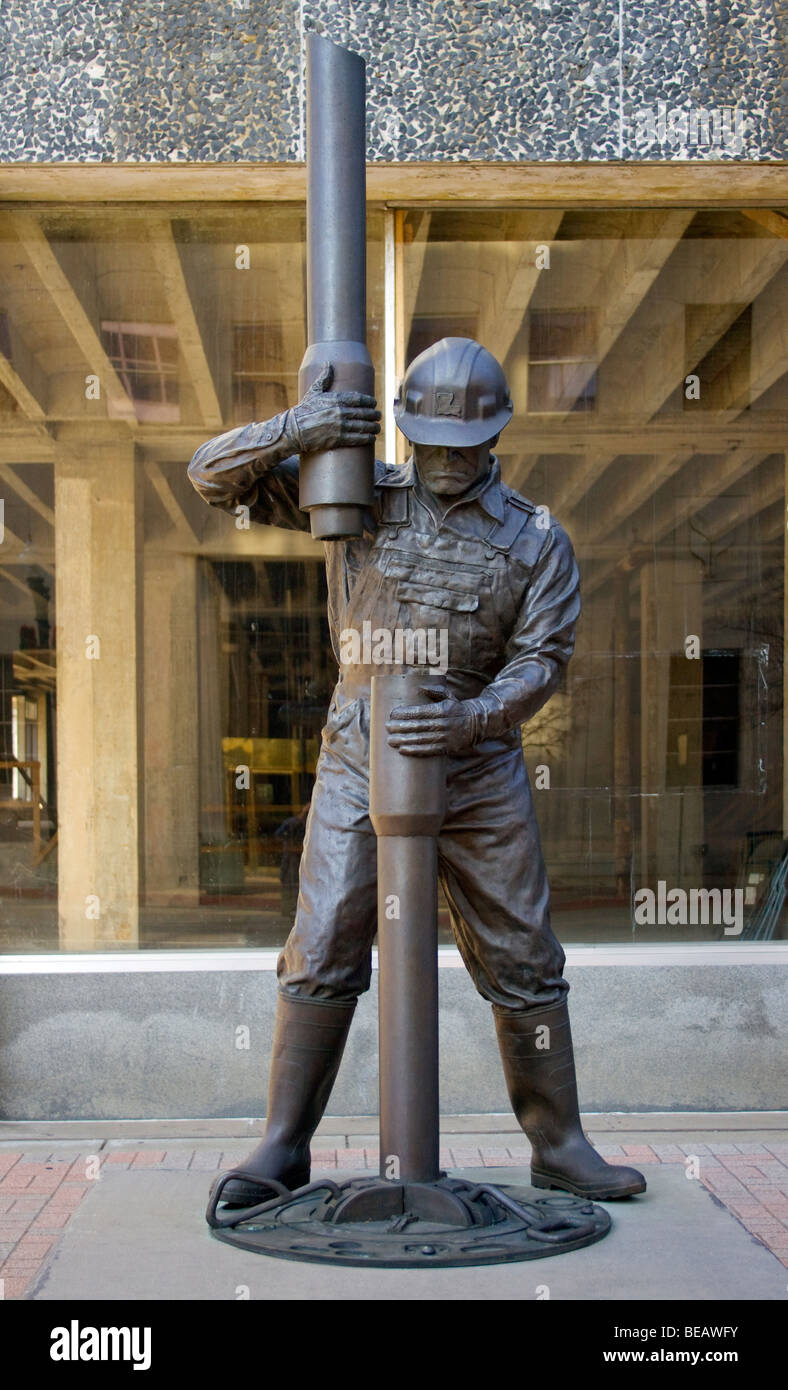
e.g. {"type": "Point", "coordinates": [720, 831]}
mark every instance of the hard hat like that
{"type": "Point", "coordinates": [454, 394]}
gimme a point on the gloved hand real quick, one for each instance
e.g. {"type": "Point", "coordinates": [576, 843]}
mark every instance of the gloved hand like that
{"type": "Point", "coordinates": [447, 726]}
{"type": "Point", "coordinates": [331, 419]}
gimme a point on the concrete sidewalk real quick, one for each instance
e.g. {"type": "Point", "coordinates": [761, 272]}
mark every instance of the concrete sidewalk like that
{"type": "Point", "coordinates": [107, 1218]}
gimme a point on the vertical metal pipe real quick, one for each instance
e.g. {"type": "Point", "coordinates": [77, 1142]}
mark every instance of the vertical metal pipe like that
{"type": "Point", "coordinates": [408, 1007]}
{"type": "Point", "coordinates": [337, 484]}
{"type": "Point", "coordinates": [336, 193]}
{"type": "Point", "coordinates": [407, 806]}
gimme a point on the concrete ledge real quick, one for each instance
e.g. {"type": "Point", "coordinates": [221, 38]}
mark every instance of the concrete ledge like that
{"type": "Point", "coordinates": [745, 1122]}
{"type": "Point", "coordinates": [195, 1044]}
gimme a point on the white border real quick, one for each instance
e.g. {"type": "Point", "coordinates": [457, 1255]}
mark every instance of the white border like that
{"type": "Point", "coordinates": [159, 962]}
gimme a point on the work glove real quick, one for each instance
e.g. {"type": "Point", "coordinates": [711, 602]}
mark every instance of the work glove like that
{"type": "Point", "coordinates": [326, 419]}
{"type": "Point", "coordinates": [448, 725]}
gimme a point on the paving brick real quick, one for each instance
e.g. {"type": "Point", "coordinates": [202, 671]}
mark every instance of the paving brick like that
{"type": "Point", "coordinates": [667, 1152]}
{"type": "Point", "coordinates": [13, 1287]}
{"type": "Point", "coordinates": [638, 1150]}
{"type": "Point", "coordinates": [120, 1158]}
{"type": "Point", "coordinates": [7, 1160]}
{"type": "Point", "coordinates": [202, 1161]}
{"type": "Point", "coordinates": [13, 1231]}
{"type": "Point", "coordinates": [180, 1159]}
{"type": "Point", "coordinates": [149, 1158]}
{"type": "Point", "coordinates": [69, 1194]}
{"type": "Point", "coordinates": [50, 1221]}
{"type": "Point", "coordinates": [33, 1247]}
{"type": "Point", "coordinates": [351, 1158]}
{"type": "Point", "coordinates": [28, 1206]}
{"type": "Point", "coordinates": [15, 1181]}
{"type": "Point", "coordinates": [723, 1148]}
{"type": "Point", "coordinates": [776, 1204]}
{"type": "Point", "coordinates": [466, 1158]}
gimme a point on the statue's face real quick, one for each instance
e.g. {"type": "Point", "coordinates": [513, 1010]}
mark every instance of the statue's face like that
{"type": "Point", "coordinates": [450, 472]}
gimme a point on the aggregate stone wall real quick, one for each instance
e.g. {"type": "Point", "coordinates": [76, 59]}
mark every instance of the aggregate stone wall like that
{"type": "Point", "coordinates": [164, 1045]}
{"type": "Point", "coordinates": [222, 80]}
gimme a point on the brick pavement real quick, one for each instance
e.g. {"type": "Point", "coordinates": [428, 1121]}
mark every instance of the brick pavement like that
{"type": "Point", "coordinates": [40, 1192]}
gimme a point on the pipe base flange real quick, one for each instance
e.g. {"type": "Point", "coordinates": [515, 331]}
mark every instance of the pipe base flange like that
{"type": "Point", "coordinates": [368, 1221]}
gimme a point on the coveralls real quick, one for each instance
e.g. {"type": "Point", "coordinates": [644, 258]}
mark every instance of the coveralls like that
{"type": "Point", "coordinates": [503, 580]}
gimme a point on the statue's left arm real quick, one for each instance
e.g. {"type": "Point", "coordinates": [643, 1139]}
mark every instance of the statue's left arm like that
{"type": "Point", "coordinates": [542, 642]}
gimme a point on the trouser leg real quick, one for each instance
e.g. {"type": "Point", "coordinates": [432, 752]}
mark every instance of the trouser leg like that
{"type": "Point", "coordinates": [328, 954]}
{"type": "Point", "coordinates": [493, 875]}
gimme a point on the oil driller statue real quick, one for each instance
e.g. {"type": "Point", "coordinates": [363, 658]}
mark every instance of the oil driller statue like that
{"type": "Point", "coordinates": [447, 545]}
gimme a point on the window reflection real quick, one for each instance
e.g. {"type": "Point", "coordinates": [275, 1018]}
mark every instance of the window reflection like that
{"type": "Point", "coordinates": [620, 332]}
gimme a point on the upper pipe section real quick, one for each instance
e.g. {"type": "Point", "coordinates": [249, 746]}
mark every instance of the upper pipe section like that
{"type": "Point", "coordinates": [336, 197]}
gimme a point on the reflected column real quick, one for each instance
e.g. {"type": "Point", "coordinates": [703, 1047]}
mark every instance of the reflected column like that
{"type": "Point", "coordinates": [98, 543]}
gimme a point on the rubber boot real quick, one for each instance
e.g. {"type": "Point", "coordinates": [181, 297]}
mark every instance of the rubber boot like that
{"type": "Point", "coordinates": [309, 1039]}
{"type": "Point", "coordinates": [543, 1091]}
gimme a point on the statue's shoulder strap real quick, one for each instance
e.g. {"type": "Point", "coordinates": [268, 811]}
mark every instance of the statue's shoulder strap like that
{"type": "Point", "coordinates": [517, 513]}
{"type": "Point", "coordinates": [392, 499]}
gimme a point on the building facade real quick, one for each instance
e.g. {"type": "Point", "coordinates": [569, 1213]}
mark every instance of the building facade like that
{"type": "Point", "coordinates": [598, 193]}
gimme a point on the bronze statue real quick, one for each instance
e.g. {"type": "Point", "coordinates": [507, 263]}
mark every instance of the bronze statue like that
{"type": "Point", "coordinates": [446, 545]}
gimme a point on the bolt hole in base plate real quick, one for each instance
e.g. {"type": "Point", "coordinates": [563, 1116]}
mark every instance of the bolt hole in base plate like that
{"type": "Point", "coordinates": [448, 1223]}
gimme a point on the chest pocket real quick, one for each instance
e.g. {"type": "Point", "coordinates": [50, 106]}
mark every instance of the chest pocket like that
{"type": "Point", "coordinates": [428, 595]}
{"type": "Point", "coordinates": [432, 585]}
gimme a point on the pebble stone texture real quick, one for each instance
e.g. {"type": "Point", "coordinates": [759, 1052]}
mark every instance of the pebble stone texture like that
{"type": "Point", "coordinates": [221, 80]}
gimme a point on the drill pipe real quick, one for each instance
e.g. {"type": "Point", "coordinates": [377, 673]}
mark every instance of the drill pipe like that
{"type": "Point", "coordinates": [407, 801]}
{"type": "Point", "coordinates": [336, 484]}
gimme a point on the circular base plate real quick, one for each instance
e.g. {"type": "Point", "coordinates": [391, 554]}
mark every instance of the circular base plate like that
{"type": "Point", "coordinates": [500, 1224]}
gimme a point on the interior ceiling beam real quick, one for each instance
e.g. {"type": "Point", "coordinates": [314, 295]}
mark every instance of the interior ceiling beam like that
{"type": "Point", "coordinates": [176, 291]}
{"type": "Point", "coordinates": [22, 377]}
{"type": "Point", "coordinates": [701, 433]}
{"type": "Point", "coordinates": [11, 578]}
{"type": "Point", "coordinates": [776, 223]}
{"type": "Point", "coordinates": [714, 476]}
{"type": "Point", "coordinates": [12, 479]}
{"type": "Point", "coordinates": [28, 230]}
{"type": "Point", "coordinates": [502, 315]}
{"type": "Point", "coordinates": [771, 360]}
{"type": "Point", "coordinates": [169, 501]}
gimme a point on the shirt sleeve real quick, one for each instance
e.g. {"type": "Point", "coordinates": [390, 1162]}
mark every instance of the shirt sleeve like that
{"type": "Point", "coordinates": [254, 467]}
{"type": "Point", "coordinates": [543, 639]}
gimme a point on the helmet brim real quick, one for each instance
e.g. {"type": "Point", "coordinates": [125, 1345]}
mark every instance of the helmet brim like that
{"type": "Point", "coordinates": [451, 434]}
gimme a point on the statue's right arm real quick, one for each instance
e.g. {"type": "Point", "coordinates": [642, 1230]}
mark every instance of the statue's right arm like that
{"type": "Point", "coordinates": [255, 466]}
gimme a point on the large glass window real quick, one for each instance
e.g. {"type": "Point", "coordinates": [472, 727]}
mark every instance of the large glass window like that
{"type": "Point", "coordinates": [165, 669]}
{"type": "Point", "coordinates": [646, 353]}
